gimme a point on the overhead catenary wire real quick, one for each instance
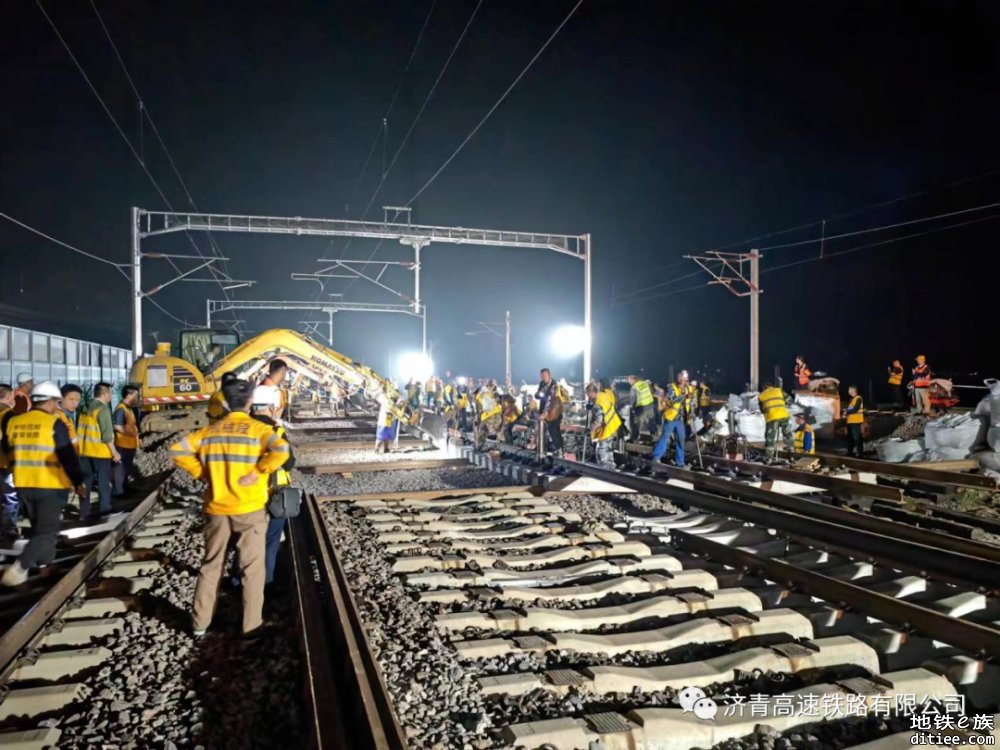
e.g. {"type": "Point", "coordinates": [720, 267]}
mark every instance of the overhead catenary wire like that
{"type": "Point", "coordinates": [815, 259]}
{"type": "Point", "coordinates": [145, 115]}
{"type": "Point", "coordinates": [499, 101]}
{"type": "Point", "coordinates": [92, 256]}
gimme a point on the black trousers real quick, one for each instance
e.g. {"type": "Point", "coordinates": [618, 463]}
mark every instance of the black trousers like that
{"type": "Point", "coordinates": [44, 510]}
{"type": "Point", "coordinates": [123, 470]}
{"type": "Point", "coordinates": [96, 474]}
{"type": "Point", "coordinates": [553, 434]}
{"type": "Point", "coordinates": [855, 443]}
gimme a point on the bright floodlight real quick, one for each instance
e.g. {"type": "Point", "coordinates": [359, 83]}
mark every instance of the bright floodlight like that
{"type": "Point", "coordinates": [569, 341]}
{"type": "Point", "coordinates": [415, 365]}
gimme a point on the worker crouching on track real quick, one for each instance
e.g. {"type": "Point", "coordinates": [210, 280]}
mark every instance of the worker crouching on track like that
{"type": "Point", "coordinates": [604, 424]}
{"type": "Point", "coordinates": [775, 409]}
{"type": "Point", "coordinates": [805, 438]}
{"type": "Point", "coordinates": [266, 404]}
{"type": "Point", "coordinates": [236, 454]}
{"type": "Point", "coordinates": [45, 466]}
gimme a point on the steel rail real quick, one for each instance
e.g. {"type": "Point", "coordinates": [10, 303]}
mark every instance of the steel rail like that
{"type": "Point", "coordinates": [22, 633]}
{"type": "Point", "coordinates": [830, 513]}
{"type": "Point", "coordinates": [971, 636]}
{"type": "Point", "coordinates": [933, 561]}
{"type": "Point", "coordinates": [842, 488]}
{"type": "Point", "coordinates": [373, 722]}
{"type": "Point", "coordinates": [906, 471]}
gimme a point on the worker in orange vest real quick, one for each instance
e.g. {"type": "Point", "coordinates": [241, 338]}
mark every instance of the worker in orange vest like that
{"type": "Point", "coordinates": [802, 372]}
{"type": "Point", "coordinates": [896, 382]}
{"type": "Point", "coordinates": [922, 386]}
{"type": "Point", "coordinates": [855, 416]}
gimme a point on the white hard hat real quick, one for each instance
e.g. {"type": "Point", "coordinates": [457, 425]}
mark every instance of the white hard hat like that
{"type": "Point", "coordinates": [24, 377]}
{"type": "Point", "coordinates": [266, 395]}
{"type": "Point", "coordinates": [45, 391]}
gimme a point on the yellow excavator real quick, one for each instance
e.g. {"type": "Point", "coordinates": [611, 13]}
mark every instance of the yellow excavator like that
{"type": "Point", "coordinates": [174, 392]}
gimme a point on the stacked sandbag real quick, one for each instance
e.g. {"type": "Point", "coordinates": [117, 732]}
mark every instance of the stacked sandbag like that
{"type": "Point", "coordinates": [956, 432]}
{"type": "Point", "coordinates": [989, 410]}
{"type": "Point", "coordinates": [821, 408]}
{"type": "Point", "coordinates": [895, 451]}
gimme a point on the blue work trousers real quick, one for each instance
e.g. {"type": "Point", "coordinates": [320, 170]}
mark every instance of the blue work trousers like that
{"type": "Point", "coordinates": [273, 543]}
{"type": "Point", "coordinates": [674, 427]}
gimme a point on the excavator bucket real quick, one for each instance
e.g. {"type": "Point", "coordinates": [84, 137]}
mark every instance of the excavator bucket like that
{"type": "Point", "coordinates": [434, 425]}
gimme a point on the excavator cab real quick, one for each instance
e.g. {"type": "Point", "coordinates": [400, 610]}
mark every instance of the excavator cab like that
{"type": "Point", "coordinates": [196, 346]}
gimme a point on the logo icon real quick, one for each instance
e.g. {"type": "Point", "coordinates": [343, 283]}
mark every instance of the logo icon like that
{"type": "Point", "coordinates": [694, 700]}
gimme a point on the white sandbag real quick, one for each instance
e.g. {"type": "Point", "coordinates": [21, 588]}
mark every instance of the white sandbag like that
{"type": "Point", "coordinates": [939, 454]}
{"type": "Point", "coordinates": [720, 422]}
{"type": "Point", "coordinates": [820, 407]}
{"type": "Point", "coordinates": [988, 460]}
{"type": "Point", "coordinates": [993, 438]}
{"type": "Point", "coordinates": [751, 426]}
{"type": "Point", "coordinates": [955, 431]}
{"type": "Point", "coordinates": [989, 407]}
{"type": "Point", "coordinates": [734, 403]}
{"type": "Point", "coordinates": [894, 451]}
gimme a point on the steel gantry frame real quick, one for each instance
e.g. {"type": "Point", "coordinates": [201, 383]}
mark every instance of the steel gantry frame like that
{"type": "Point", "coordinates": [147, 224]}
{"type": "Point", "coordinates": [214, 306]}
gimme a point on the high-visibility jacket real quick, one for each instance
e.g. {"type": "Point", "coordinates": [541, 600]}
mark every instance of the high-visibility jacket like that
{"type": "Point", "coordinates": [217, 407]}
{"type": "Point", "coordinates": [73, 437]}
{"type": "Point", "coordinates": [643, 393]}
{"type": "Point", "coordinates": [91, 444]}
{"type": "Point", "coordinates": [772, 403]}
{"type": "Point", "coordinates": [922, 376]}
{"type": "Point", "coordinates": [805, 439]}
{"type": "Point", "coordinates": [449, 394]}
{"type": "Point", "coordinates": [704, 396]}
{"type": "Point", "coordinates": [802, 373]}
{"type": "Point", "coordinates": [227, 451]}
{"type": "Point", "coordinates": [610, 421]}
{"type": "Point", "coordinates": [511, 415]}
{"type": "Point", "coordinates": [127, 441]}
{"type": "Point", "coordinates": [281, 476]}
{"type": "Point", "coordinates": [4, 462]}
{"type": "Point", "coordinates": [33, 452]}
{"type": "Point", "coordinates": [488, 414]}
{"type": "Point", "coordinates": [856, 411]}
{"type": "Point", "coordinates": [677, 398]}
{"type": "Point", "coordinates": [896, 375]}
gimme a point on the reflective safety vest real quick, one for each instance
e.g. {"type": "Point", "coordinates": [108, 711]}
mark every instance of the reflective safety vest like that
{"type": "Point", "coordinates": [449, 394]}
{"type": "Point", "coordinates": [922, 376]}
{"type": "Point", "coordinates": [857, 416]}
{"type": "Point", "coordinates": [704, 396]}
{"type": "Point", "coordinates": [33, 452]}
{"type": "Point", "coordinates": [802, 372]}
{"type": "Point", "coordinates": [217, 407]}
{"type": "Point", "coordinates": [805, 439]}
{"type": "Point", "coordinates": [227, 451]}
{"type": "Point", "coordinates": [91, 445]}
{"type": "Point", "coordinates": [4, 463]}
{"type": "Point", "coordinates": [896, 375]}
{"type": "Point", "coordinates": [488, 414]}
{"type": "Point", "coordinates": [73, 437]}
{"type": "Point", "coordinates": [280, 478]}
{"type": "Point", "coordinates": [128, 442]}
{"type": "Point", "coordinates": [512, 416]}
{"type": "Point", "coordinates": [676, 397]}
{"type": "Point", "coordinates": [605, 401]}
{"type": "Point", "coordinates": [643, 394]}
{"type": "Point", "coordinates": [772, 403]}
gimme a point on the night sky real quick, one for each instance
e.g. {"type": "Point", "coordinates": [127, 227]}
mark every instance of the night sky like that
{"type": "Point", "coordinates": [662, 128]}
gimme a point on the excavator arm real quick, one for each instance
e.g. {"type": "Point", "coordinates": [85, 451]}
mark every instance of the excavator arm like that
{"type": "Point", "coordinates": [307, 357]}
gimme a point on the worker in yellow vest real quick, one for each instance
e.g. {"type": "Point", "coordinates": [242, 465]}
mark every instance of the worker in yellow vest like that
{"type": "Point", "coordinates": [97, 451]}
{"type": "Point", "coordinates": [805, 438]}
{"type": "Point", "coordinates": [45, 467]}
{"type": "Point", "coordinates": [236, 456]}
{"type": "Point", "coordinates": [126, 437]}
{"type": "Point", "coordinates": [68, 412]}
{"type": "Point", "coordinates": [775, 409]}
{"type": "Point", "coordinates": [855, 416]}
{"type": "Point", "coordinates": [604, 424]}
{"type": "Point", "coordinates": [217, 407]}
{"type": "Point", "coordinates": [266, 405]}
{"type": "Point", "coordinates": [674, 405]}
{"type": "Point", "coordinates": [896, 382]}
{"type": "Point", "coordinates": [8, 500]}
{"type": "Point", "coordinates": [510, 414]}
{"type": "Point", "coordinates": [642, 409]}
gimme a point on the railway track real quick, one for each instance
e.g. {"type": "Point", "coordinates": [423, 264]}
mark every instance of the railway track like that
{"type": "Point", "coordinates": [444, 606]}
{"type": "Point", "coordinates": [571, 621]}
